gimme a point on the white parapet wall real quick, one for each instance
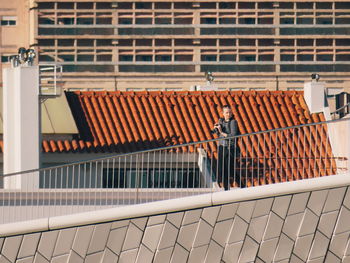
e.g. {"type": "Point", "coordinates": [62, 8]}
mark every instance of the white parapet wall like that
{"type": "Point", "coordinates": [314, 95]}
{"type": "Point", "coordinates": [301, 221]}
{"type": "Point", "coordinates": [21, 126]}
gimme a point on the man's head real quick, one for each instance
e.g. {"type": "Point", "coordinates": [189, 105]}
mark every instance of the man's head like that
{"type": "Point", "coordinates": [226, 112]}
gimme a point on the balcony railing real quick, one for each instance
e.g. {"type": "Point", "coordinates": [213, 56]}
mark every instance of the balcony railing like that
{"type": "Point", "coordinates": [248, 160]}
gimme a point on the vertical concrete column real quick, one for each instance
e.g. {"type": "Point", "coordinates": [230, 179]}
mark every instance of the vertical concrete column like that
{"type": "Point", "coordinates": [21, 126]}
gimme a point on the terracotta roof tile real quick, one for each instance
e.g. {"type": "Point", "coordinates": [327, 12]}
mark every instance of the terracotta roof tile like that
{"type": "Point", "coordinates": [130, 121]}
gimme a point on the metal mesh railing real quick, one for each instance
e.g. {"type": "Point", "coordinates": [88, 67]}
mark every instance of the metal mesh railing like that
{"type": "Point", "coordinates": [248, 160]}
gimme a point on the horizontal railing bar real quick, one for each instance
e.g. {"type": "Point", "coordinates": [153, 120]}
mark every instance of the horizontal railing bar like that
{"type": "Point", "coordinates": [170, 147]}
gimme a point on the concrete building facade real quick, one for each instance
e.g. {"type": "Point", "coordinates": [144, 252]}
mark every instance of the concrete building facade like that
{"type": "Point", "coordinates": [138, 45]}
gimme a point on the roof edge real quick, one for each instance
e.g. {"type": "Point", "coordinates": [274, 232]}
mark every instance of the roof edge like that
{"type": "Point", "coordinates": [174, 205]}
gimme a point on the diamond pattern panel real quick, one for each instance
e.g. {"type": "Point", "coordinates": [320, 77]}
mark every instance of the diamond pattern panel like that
{"type": "Point", "coordinates": [303, 227]}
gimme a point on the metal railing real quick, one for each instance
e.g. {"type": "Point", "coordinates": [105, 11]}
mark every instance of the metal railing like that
{"type": "Point", "coordinates": [267, 157]}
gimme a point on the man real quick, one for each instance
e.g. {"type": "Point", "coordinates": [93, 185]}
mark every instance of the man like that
{"type": "Point", "coordinates": [225, 128]}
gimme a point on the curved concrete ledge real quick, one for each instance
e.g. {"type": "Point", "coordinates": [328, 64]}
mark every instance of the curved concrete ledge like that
{"type": "Point", "coordinates": [20, 228]}
{"type": "Point", "coordinates": [133, 211]}
{"type": "Point", "coordinates": [264, 191]}
{"type": "Point", "coordinates": [174, 205]}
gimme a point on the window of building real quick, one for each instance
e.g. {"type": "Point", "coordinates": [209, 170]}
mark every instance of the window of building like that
{"type": "Point", "coordinates": [183, 57]}
{"type": "Point", "coordinates": [246, 5]}
{"type": "Point", "coordinates": [125, 21]}
{"type": "Point", "coordinates": [269, 57]}
{"type": "Point", "coordinates": [324, 20]}
{"type": "Point", "coordinates": [227, 57]}
{"type": "Point", "coordinates": [305, 57]}
{"type": "Point", "coordinates": [227, 42]}
{"type": "Point", "coordinates": [104, 58]}
{"type": "Point", "coordinates": [162, 21]}
{"type": "Point", "coordinates": [143, 5]}
{"type": "Point", "coordinates": [125, 57]}
{"type": "Point", "coordinates": [146, 58]}
{"type": "Point", "coordinates": [46, 5]}
{"type": "Point", "coordinates": [5, 58]}
{"type": "Point", "coordinates": [162, 5]}
{"type": "Point", "coordinates": [103, 5]}
{"type": "Point", "coordinates": [163, 58]}
{"type": "Point", "coordinates": [324, 57]}
{"type": "Point", "coordinates": [208, 57]}
{"type": "Point", "coordinates": [208, 20]}
{"type": "Point", "coordinates": [227, 20]}
{"type": "Point", "coordinates": [85, 5]}
{"type": "Point", "coordinates": [208, 5]}
{"type": "Point", "coordinates": [286, 5]}
{"type": "Point", "coordinates": [85, 58]}
{"type": "Point", "coordinates": [65, 21]}
{"type": "Point", "coordinates": [8, 20]}
{"type": "Point", "coordinates": [144, 42]}
{"type": "Point", "coordinates": [65, 5]}
{"type": "Point", "coordinates": [143, 21]}
{"type": "Point", "coordinates": [305, 5]}
{"type": "Point", "coordinates": [246, 20]}
{"type": "Point", "coordinates": [247, 57]}
{"type": "Point", "coordinates": [287, 57]}
{"type": "Point", "coordinates": [226, 5]}
{"type": "Point", "coordinates": [287, 20]}
{"type": "Point", "coordinates": [324, 5]}
{"type": "Point", "coordinates": [85, 20]}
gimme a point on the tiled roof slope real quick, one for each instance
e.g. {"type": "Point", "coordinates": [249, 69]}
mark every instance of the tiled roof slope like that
{"type": "Point", "coordinates": [131, 121]}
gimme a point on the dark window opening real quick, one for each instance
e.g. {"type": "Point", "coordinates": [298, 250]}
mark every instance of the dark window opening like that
{"type": "Point", "coordinates": [247, 42]}
{"type": "Point", "coordinates": [65, 5]}
{"type": "Point", "coordinates": [163, 21]}
{"type": "Point", "coordinates": [85, 58]}
{"type": "Point", "coordinates": [227, 42]}
{"type": "Point", "coordinates": [266, 57]}
{"type": "Point", "coordinates": [287, 20]}
{"type": "Point", "coordinates": [144, 42]}
{"type": "Point", "coordinates": [104, 58]}
{"type": "Point", "coordinates": [246, 21]}
{"type": "Point", "coordinates": [227, 20]}
{"type": "Point", "coordinates": [208, 20]}
{"type": "Point", "coordinates": [103, 5]}
{"type": "Point", "coordinates": [227, 57]}
{"type": "Point", "coordinates": [287, 42]}
{"type": "Point", "coordinates": [125, 57]}
{"type": "Point", "coordinates": [87, 5]}
{"type": "Point", "coordinates": [125, 21]}
{"type": "Point", "coordinates": [163, 5]}
{"type": "Point", "coordinates": [146, 58]}
{"type": "Point", "coordinates": [287, 57]}
{"type": "Point", "coordinates": [183, 57]}
{"type": "Point", "coordinates": [165, 58]}
{"type": "Point", "coordinates": [143, 5]}
{"type": "Point", "coordinates": [143, 21]}
{"type": "Point", "coordinates": [85, 21]}
{"type": "Point", "coordinates": [248, 58]}
{"type": "Point", "coordinates": [305, 57]}
{"type": "Point", "coordinates": [208, 57]}
{"type": "Point", "coordinates": [226, 5]}
{"type": "Point", "coordinates": [208, 5]}
{"type": "Point", "coordinates": [324, 57]}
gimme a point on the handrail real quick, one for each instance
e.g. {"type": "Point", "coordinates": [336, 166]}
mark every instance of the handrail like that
{"type": "Point", "coordinates": [341, 108]}
{"type": "Point", "coordinates": [169, 147]}
{"type": "Point", "coordinates": [247, 160]}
